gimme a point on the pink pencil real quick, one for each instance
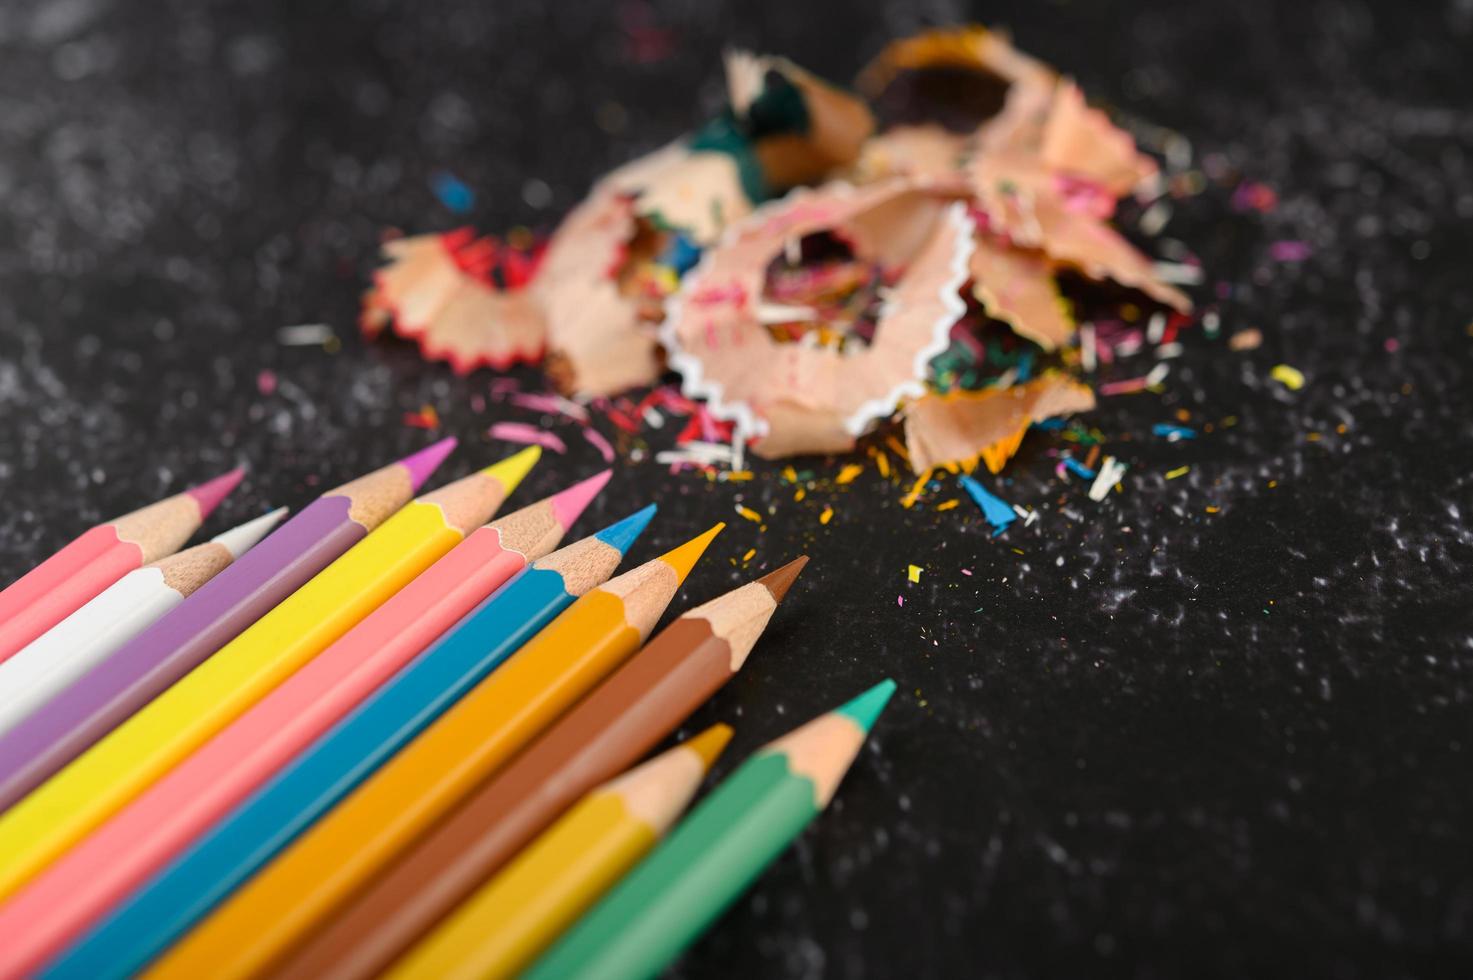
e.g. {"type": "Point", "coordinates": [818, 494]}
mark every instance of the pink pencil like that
{"type": "Point", "coordinates": [108, 864]}
{"type": "Point", "coordinates": [60, 585]}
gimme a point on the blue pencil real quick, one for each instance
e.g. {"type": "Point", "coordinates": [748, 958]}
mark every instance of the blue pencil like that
{"type": "Point", "coordinates": [182, 893]}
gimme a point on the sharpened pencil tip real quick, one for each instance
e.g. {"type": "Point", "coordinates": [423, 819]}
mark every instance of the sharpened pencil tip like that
{"type": "Point", "coordinates": [708, 745]}
{"type": "Point", "coordinates": [242, 538]}
{"type": "Point", "coordinates": [569, 504]}
{"type": "Point", "coordinates": [209, 494]}
{"type": "Point", "coordinates": [684, 558]}
{"type": "Point", "coordinates": [511, 471]}
{"type": "Point", "coordinates": [780, 580]}
{"type": "Point", "coordinates": [623, 534]}
{"type": "Point", "coordinates": [864, 709]}
{"type": "Point", "coordinates": [421, 464]}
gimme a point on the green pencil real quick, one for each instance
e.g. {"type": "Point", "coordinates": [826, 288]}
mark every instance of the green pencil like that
{"type": "Point", "coordinates": [720, 849]}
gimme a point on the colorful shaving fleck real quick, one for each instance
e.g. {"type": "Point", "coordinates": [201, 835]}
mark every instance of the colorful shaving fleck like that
{"type": "Point", "coordinates": [600, 443]}
{"type": "Point", "coordinates": [1289, 377]}
{"type": "Point", "coordinates": [552, 404]}
{"type": "Point", "coordinates": [1173, 433]}
{"type": "Point", "coordinates": [997, 512]}
{"type": "Point", "coordinates": [453, 192]}
{"type": "Point", "coordinates": [1111, 472]}
{"type": "Point", "coordinates": [425, 418]}
{"type": "Point", "coordinates": [1072, 465]}
{"type": "Point", "coordinates": [527, 435]}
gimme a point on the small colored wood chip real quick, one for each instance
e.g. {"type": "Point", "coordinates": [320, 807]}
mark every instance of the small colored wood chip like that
{"type": "Point", "coordinates": [1289, 377]}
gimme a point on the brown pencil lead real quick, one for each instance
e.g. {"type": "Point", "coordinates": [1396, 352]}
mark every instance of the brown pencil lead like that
{"type": "Point", "coordinates": [779, 581]}
{"type": "Point", "coordinates": [740, 616]}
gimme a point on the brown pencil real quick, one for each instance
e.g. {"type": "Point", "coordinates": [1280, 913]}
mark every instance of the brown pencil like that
{"type": "Point", "coordinates": [614, 726]}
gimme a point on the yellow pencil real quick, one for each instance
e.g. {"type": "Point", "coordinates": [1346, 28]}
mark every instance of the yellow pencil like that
{"type": "Point", "coordinates": [136, 753]}
{"type": "Point", "coordinates": [518, 913]}
{"type": "Point", "coordinates": [273, 911]}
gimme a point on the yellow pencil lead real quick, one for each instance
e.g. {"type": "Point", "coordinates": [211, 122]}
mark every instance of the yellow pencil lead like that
{"type": "Point", "coordinates": [708, 745]}
{"type": "Point", "coordinates": [684, 558]}
{"type": "Point", "coordinates": [510, 471]}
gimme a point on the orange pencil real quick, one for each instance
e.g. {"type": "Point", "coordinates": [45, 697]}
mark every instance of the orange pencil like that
{"type": "Point", "coordinates": [58, 587]}
{"type": "Point", "coordinates": [605, 733]}
{"type": "Point", "coordinates": [274, 911]}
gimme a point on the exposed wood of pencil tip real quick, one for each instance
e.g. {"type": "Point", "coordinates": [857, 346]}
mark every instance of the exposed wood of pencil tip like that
{"type": "Point", "coordinates": [645, 591]}
{"type": "Point", "coordinates": [582, 564]}
{"type": "Point", "coordinates": [374, 496]}
{"type": "Point", "coordinates": [740, 616]}
{"type": "Point", "coordinates": [821, 751]}
{"type": "Point", "coordinates": [193, 567]}
{"type": "Point", "coordinates": [531, 532]}
{"type": "Point", "coordinates": [160, 528]}
{"type": "Point", "coordinates": [657, 792]}
{"type": "Point", "coordinates": [469, 501]}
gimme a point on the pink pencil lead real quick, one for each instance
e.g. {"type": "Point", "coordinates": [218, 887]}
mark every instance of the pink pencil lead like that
{"type": "Point", "coordinates": [421, 464]}
{"type": "Point", "coordinates": [209, 494]}
{"type": "Point", "coordinates": [569, 504]}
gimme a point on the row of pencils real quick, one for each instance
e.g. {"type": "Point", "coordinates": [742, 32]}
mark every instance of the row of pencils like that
{"type": "Point", "coordinates": [383, 737]}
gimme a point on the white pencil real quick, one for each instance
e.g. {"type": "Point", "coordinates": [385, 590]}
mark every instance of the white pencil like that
{"type": "Point", "coordinates": [72, 647]}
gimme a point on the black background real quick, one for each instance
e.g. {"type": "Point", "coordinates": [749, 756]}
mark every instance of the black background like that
{"type": "Point", "coordinates": [1140, 740]}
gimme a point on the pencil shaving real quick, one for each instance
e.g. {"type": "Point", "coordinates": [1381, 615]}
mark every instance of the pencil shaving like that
{"type": "Point", "coordinates": [814, 385]}
{"type": "Point", "coordinates": [435, 290]}
{"type": "Point", "coordinates": [960, 428]}
{"type": "Point", "coordinates": [810, 259]}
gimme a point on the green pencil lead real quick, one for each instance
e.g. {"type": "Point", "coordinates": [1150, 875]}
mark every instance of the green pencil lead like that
{"type": "Point", "coordinates": [864, 709]}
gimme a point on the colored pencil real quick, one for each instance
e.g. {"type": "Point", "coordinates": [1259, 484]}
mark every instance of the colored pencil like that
{"type": "Point", "coordinates": [272, 911]}
{"type": "Point", "coordinates": [140, 750]}
{"type": "Point", "coordinates": [83, 883]}
{"type": "Point", "coordinates": [716, 852]}
{"type": "Point", "coordinates": [145, 666]}
{"type": "Point", "coordinates": [58, 587]}
{"type": "Point", "coordinates": [616, 724]}
{"type": "Point", "coordinates": [230, 852]}
{"type": "Point", "coordinates": [517, 914]}
{"type": "Point", "coordinates": [119, 612]}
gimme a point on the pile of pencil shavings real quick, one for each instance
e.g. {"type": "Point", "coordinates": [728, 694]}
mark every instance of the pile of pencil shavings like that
{"type": "Point", "coordinates": [816, 263]}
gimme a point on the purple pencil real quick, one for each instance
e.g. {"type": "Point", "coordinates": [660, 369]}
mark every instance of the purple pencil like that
{"type": "Point", "coordinates": [134, 674]}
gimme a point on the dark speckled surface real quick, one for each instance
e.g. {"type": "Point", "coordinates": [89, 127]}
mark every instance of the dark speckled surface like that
{"type": "Point", "coordinates": [1157, 742]}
